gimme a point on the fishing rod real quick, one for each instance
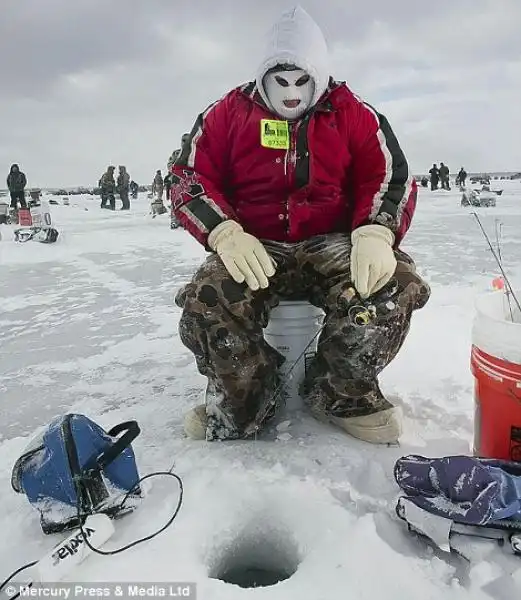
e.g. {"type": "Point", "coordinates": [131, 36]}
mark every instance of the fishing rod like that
{"type": "Point", "coordinates": [499, 237]}
{"type": "Point", "coordinates": [500, 265]}
{"type": "Point", "coordinates": [360, 312]}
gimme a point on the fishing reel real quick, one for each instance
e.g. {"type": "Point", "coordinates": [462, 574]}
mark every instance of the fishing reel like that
{"type": "Point", "coordinates": [361, 312]}
{"type": "Point", "coordinates": [361, 315]}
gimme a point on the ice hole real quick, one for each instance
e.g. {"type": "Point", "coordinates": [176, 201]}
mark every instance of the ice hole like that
{"type": "Point", "coordinates": [257, 558]}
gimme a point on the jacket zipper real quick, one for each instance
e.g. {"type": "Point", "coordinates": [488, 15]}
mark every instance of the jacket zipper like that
{"type": "Point", "coordinates": [290, 160]}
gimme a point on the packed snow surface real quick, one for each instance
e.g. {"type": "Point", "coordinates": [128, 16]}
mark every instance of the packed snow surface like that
{"type": "Point", "coordinates": [89, 325]}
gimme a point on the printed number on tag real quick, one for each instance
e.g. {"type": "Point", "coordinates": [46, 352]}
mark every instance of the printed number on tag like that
{"type": "Point", "coordinates": [274, 134]}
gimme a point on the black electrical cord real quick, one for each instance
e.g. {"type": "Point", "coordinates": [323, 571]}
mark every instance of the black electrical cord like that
{"type": "Point", "coordinates": [133, 490]}
{"type": "Point", "coordinates": [6, 581]}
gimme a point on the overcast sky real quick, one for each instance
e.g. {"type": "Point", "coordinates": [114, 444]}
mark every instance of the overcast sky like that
{"type": "Point", "coordinates": [87, 83]}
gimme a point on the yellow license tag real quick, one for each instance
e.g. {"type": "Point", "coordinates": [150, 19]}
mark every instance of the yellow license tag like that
{"type": "Point", "coordinates": [274, 134]}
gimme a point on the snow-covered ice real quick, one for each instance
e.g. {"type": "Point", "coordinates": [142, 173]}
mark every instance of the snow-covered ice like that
{"type": "Point", "coordinates": [89, 325]}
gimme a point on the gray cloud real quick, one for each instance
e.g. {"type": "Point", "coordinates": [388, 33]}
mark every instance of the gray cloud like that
{"type": "Point", "coordinates": [41, 41]}
{"type": "Point", "coordinates": [90, 82]}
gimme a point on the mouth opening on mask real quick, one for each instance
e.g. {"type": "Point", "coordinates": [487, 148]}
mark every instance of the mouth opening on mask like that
{"type": "Point", "coordinates": [291, 103]}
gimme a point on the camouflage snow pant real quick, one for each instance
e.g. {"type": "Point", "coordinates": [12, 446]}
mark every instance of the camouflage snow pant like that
{"type": "Point", "coordinates": [222, 324]}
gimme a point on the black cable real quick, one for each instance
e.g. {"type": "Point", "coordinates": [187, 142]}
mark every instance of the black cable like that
{"type": "Point", "coordinates": [6, 581]}
{"type": "Point", "coordinates": [134, 489]}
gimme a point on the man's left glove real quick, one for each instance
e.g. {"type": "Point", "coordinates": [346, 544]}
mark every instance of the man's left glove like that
{"type": "Point", "coordinates": [372, 258]}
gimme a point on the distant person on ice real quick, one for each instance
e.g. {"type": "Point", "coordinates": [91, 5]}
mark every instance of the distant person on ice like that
{"type": "Point", "coordinates": [134, 189]}
{"type": "Point", "coordinates": [16, 182]}
{"type": "Point", "coordinates": [123, 187]}
{"type": "Point", "coordinates": [107, 185]}
{"type": "Point", "coordinates": [184, 138]}
{"type": "Point", "coordinates": [158, 185]}
{"type": "Point", "coordinates": [461, 178]}
{"type": "Point", "coordinates": [312, 205]}
{"type": "Point", "coordinates": [444, 176]}
{"type": "Point", "coordinates": [174, 221]}
{"type": "Point", "coordinates": [435, 177]}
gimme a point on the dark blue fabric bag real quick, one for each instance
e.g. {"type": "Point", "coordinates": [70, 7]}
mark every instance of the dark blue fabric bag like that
{"type": "Point", "coordinates": [75, 468]}
{"type": "Point", "coordinates": [474, 491]}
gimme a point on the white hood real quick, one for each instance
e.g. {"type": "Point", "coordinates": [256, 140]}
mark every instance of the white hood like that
{"type": "Point", "coordinates": [295, 38]}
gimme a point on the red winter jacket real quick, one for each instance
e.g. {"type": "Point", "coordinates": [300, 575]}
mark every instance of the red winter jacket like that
{"type": "Point", "coordinates": [344, 168]}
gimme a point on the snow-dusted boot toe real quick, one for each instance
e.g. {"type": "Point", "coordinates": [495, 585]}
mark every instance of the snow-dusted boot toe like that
{"type": "Point", "coordinates": [196, 422]}
{"type": "Point", "coordinates": [383, 427]}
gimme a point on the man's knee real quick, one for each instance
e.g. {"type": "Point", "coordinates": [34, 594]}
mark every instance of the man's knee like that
{"type": "Point", "coordinates": [410, 282]}
{"type": "Point", "coordinates": [202, 288]}
{"type": "Point", "coordinates": [212, 291]}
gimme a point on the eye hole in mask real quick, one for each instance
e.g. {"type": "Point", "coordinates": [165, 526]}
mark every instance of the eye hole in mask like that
{"type": "Point", "coordinates": [281, 81]}
{"type": "Point", "coordinates": [300, 82]}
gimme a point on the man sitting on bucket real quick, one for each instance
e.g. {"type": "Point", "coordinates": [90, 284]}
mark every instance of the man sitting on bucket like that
{"type": "Point", "coordinates": [299, 189]}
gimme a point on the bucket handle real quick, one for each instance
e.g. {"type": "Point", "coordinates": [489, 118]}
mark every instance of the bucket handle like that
{"type": "Point", "coordinates": [131, 431]}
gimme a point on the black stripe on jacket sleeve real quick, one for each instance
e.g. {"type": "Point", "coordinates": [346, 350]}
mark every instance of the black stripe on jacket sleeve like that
{"type": "Point", "coordinates": [202, 213]}
{"type": "Point", "coordinates": [388, 204]}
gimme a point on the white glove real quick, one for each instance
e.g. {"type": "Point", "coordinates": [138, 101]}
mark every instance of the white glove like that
{"type": "Point", "coordinates": [244, 257]}
{"type": "Point", "coordinates": [372, 258]}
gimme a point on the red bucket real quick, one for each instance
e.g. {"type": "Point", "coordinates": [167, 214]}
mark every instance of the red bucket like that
{"type": "Point", "coordinates": [496, 366]}
{"type": "Point", "coordinates": [24, 217]}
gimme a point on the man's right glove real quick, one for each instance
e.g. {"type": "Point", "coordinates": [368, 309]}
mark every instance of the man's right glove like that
{"type": "Point", "coordinates": [243, 255]}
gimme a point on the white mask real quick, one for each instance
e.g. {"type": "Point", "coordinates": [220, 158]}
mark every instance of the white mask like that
{"type": "Point", "coordinates": [289, 92]}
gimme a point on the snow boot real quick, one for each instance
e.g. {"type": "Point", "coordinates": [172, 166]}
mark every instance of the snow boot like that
{"type": "Point", "coordinates": [195, 423]}
{"type": "Point", "coordinates": [198, 419]}
{"type": "Point", "coordinates": [382, 427]}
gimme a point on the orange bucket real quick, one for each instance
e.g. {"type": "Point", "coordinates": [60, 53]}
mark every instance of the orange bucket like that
{"type": "Point", "coordinates": [496, 366]}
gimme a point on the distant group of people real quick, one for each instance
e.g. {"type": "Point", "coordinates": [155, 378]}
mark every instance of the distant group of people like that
{"type": "Point", "coordinates": [109, 185]}
{"type": "Point", "coordinates": [123, 186]}
{"type": "Point", "coordinates": [440, 177]}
